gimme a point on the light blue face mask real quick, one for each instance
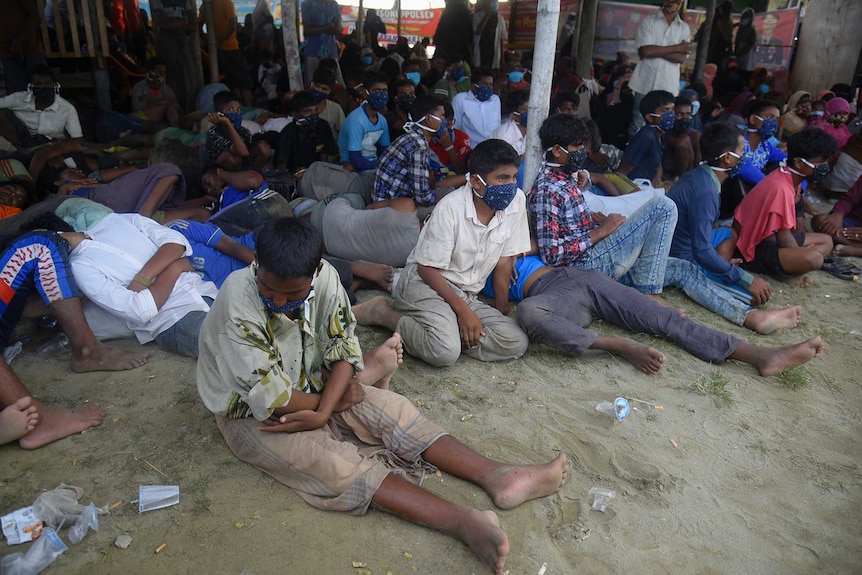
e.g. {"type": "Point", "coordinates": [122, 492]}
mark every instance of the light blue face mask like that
{"type": "Point", "coordinates": [515, 77]}
{"type": "Point", "coordinates": [414, 77]}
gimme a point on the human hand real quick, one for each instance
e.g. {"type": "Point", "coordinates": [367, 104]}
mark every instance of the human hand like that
{"type": "Point", "coordinates": [304, 420]}
{"type": "Point", "coordinates": [611, 223]}
{"type": "Point", "coordinates": [760, 290]}
{"type": "Point", "coordinates": [469, 328]}
{"type": "Point", "coordinates": [599, 218]}
{"type": "Point", "coordinates": [353, 394]}
{"type": "Point", "coordinates": [445, 140]}
{"type": "Point", "coordinates": [216, 118]}
{"type": "Point", "coordinates": [684, 47]}
{"type": "Point", "coordinates": [832, 224]}
{"type": "Point", "coordinates": [601, 159]}
{"type": "Point", "coordinates": [583, 178]}
{"type": "Point", "coordinates": [852, 234]}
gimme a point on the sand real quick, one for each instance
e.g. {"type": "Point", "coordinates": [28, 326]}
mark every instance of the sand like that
{"type": "Point", "coordinates": [768, 482]}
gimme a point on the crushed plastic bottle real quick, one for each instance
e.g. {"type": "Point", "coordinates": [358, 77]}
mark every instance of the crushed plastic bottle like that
{"type": "Point", "coordinates": [59, 343]}
{"type": "Point", "coordinates": [12, 351]}
{"type": "Point", "coordinates": [618, 408]}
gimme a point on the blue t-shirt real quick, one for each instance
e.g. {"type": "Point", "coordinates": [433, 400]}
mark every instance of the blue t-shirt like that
{"type": "Point", "coordinates": [644, 153]}
{"type": "Point", "coordinates": [358, 134]}
{"type": "Point", "coordinates": [753, 161]}
{"type": "Point", "coordinates": [525, 267]}
{"type": "Point", "coordinates": [697, 198]}
{"type": "Point", "coordinates": [210, 263]}
{"type": "Point", "coordinates": [320, 13]}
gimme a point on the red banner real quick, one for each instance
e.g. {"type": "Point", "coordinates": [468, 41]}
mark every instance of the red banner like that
{"type": "Point", "coordinates": [415, 24]}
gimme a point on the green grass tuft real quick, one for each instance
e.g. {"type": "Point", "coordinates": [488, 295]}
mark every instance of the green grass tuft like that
{"type": "Point", "coordinates": [715, 384]}
{"type": "Point", "coordinates": [794, 378]}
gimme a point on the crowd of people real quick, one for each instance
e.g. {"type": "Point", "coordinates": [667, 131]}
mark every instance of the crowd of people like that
{"type": "Point", "coordinates": [235, 225]}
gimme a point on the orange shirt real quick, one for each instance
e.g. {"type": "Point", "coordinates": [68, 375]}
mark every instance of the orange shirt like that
{"type": "Point", "coordinates": [224, 14]}
{"type": "Point", "coordinates": [7, 211]}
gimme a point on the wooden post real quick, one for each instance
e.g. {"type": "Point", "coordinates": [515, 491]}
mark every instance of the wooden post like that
{"type": "Point", "coordinates": [547, 19]}
{"type": "Point", "coordinates": [289, 14]}
{"type": "Point", "coordinates": [703, 45]}
{"type": "Point", "coordinates": [586, 38]}
{"type": "Point", "coordinates": [212, 47]}
{"type": "Point", "coordinates": [399, 19]}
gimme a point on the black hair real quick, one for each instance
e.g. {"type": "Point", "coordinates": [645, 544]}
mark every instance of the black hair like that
{"type": "Point", "coordinates": [842, 91]}
{"type": "Point", "coordinates": [681, 101]}
{"type": "Point", "coordinates": [390, 68]}
{"type": "Point", "coordinates": [289, 248]}
{"type": "Point", "coordinates": [155, 61]}
{"type": "Point", "coordinates": [595, 134]}
{"type": "Point", "coordinates": [448, 110]}
{"type": "Point", "coordinates": [423, 106]}
{"type": "Point", "coordinates": [756, 107]}
{"type": "Point", "coordinates": [810, 143]}
{"type": "Point", "coordinates": [301, 100]}
{"type": "Point", "coordinates": [46, 221]}
{"type": "Point", "coordinates": [221, 99]}
{"type": "Point", "coordinates": [323, 76]}
{"type": "Point", "coordinates": [700, 88]}
{"type": "Point", "coordinates": [328, 64]}
{"type": "Point", "coordinates": [42, 70]}
{"type": "Point", "coordinates": [399, 83]}
{"type": "Point", "coordinates": [563, 130]}
{"type": "Point", "coordinates": [374, 77]}
{"type": "Point", "coordinates": [481, 72]}
{"type": "Point", "coordinates": [718, 138]}
{"type": "Point", "coordinates": [209, 169]}
{"type": "Point", "coordinates": [489, 155]}
{"type": "Point", "coordinates": [408, 63]}
{"type": "Point", "coordinates": [567, 96]}
{"type": "Point", "coordinates": [515, 99]}
{"type": "Point", "coordinates": [654, 100]}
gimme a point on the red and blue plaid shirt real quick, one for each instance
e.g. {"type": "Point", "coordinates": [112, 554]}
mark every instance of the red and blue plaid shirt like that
{"type": "Point", "coordinates": [559, 217]}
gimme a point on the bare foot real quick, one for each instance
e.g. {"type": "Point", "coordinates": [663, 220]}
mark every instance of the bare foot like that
{"type": "Point", "coordinates": [382, 362]}
{"type": "Point", "coordinates": [798, 281]}
{"type": "Point", "coordinates": [380, 274]}
{"type": "Point", "coordinates": [17, 420]}
{"type": "Point", "coordinates": [775, 360]}
{"type": "Point", "coordinates": [373, 311]}
{"type": "Point", "coordinates": [767, 321]}
{"type": "Point", "coordinates": [514, 484]}
{"type": "Point", "coordinates": [56, 424]}
{"type": "Point", "coordinates": [660, 301]}
{"type": "Point", "coordinates": [106, 358]}
{"type": "Point", "coordinates": [645, 358]}
{"type": "Point", "coordinates": [482, 532]}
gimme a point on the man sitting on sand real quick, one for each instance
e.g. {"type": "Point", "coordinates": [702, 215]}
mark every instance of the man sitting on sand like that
{"type": "Point", "coordinates": [39, 262]}
{"type": "Point", "coordinates": [281, 369]}
{"type": "Point", "coordinates": [559, 303]}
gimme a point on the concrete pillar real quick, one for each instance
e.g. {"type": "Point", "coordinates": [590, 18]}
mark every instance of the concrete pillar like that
{"type": "Point", "coordinates": [829, 45]}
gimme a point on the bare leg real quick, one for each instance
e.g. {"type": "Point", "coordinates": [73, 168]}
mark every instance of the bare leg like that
{"type": "Point", "coordinates": [376, 311]}
{"type": "Point", "coordinates": [53, 424]}
{"type": "Point", "coordinates": [17, 420]}
{"type": "Point", "coordinates": [382, 362]}
{"type": "Point", "coordinates": [157, 197]}
{"type": "Point", "coordinates": [379, 274]}
{"type": "Point", "coordinates": [847, 248]}
{"type": "Point", "coordinates": [799, 261]}
{"type": "Point", "coordinates": [645, 358]}
{"type": "Point", "coordinates": [772, 360]}
{"type": "Point", "coordinates": [767, 321]}
{"type": "Point", "coordinates": [821, 242]}
{"type": "Point", "coordinates": [508, 485]}
{"type": "Point", "coordinates": [88, 353]}
{"type": "Point", "coordinates": [478, 529]}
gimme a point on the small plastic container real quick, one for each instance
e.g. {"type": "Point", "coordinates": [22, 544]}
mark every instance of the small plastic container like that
{"type": "Point", "coordinates": [58, 344]}
{"type": "Point", "coordinates": [152, 497]}
{"type": "Point", "coordinates": [601, 497]}
{"type": "Point", "coordinates": [618, 408]}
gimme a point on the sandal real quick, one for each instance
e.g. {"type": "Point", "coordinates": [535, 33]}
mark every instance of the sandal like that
{"type": "Point", "coordinates": [840, 268]}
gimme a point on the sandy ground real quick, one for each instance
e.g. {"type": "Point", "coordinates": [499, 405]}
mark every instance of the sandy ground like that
{"type": "Point", "coordinates": [767, 484]}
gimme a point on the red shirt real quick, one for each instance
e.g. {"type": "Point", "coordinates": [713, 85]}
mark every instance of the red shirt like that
{"type": "Point", "coordinates": [766, 209]}
{"type": "Point", "coordinates": [461, 143]}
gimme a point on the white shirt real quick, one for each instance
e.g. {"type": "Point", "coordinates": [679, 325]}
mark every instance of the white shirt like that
{"type": "Point", "coordinates": [104, 267]}
{"type": "Point", "coordinates": [510, 132]}
{"type": "Point", "coordinates": [53, 122]}
{"type": "Point", "coordinates": [464, 249]}
{"type": "Point", "coordinates": [476, 118]}
{"type": "Point", "coordinates": [657, 73]}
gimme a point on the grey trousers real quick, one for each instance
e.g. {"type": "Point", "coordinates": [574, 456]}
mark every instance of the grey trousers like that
{"type": "Point", "coordinates": [322, 180]}
{"type": "Point", "coordinates": [562, 303]}
{"type": "Point", "coordinates": [429, 327]}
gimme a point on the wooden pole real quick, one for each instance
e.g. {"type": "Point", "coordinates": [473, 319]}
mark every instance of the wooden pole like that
{"type": "Point", "coordinates": [399, 19]}
{"type": "Point", "coordinates": [703, 45]}
{"type": "Point", "coordinates": [547, 19]}
{"type": "Point", "coordinates": [289, 28]}
{"type": "Point", "coordinates": [212, 47]}
{"type": "Point", "coordinates": [360, 23]}
{"type": "Point", "coordinates": [586, 38]}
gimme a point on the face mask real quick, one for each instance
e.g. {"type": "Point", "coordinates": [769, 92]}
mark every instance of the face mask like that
{"type": "Point", "coordinates": [235, 119]}
{"type": "Point", "coordinates": [414, 77]}
{"type": "Point", "coordinates": [367, 60]}
{"type": "Point", "coordinates": [695, 107]}
{"type": "Point", "coordinates": [156, 78]}
{"type": "Point", "coordinates": [483, 93]}
{"type": "Point", "coordinates": [745, 22]}
{"type": "Point", "coordinates": [499, 197]}
{"type": "Point", "coordinates": [667, 120]}
{"type": "Point", "coordinates": [763, 89]}
{"type": "Point", "coordinates": [378, 100]}
{"type": "Point", "coordinates": [816, 113]}
{"type": "Point", "coordinates": [575, 161]}
{"type": "Point", "coordinates": [522, 118]}
{"type": "Point", "coordinates": [286, 308]}
{"type": "Point", "coordinates": [457, 73]}
{"type": "Point", "coordinates": [682, 125]}
{"type": "Point", "coordinates": [731, 172]}
{"type": "Point", "coordinates": [309, 122]}
{"type": "Point", "coordinates": [820, 171]}
{"type": "Point", "coordinates": [767, 128]}
{"type": "Point", "coordinates": [318, 95]}
{"type": "Point", "coordinates": [444, 125]}
{"type": "Point", "coordinates": [681, 85]}
{"type": "Point", "coordinates": [495, 6]}
{"type": "Point", "coordinates": [405, 102]}
{"type": "Point", "coordinates": [44, 94]}
{"type": "Point", "coordinates": [515, 77]}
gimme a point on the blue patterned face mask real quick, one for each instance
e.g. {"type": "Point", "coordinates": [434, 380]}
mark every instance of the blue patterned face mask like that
{"type": "Point", "coordinates": [667, 120]}
{"type": "Point", "coordinates": [767, 128]}
{"type": "Point", "coordinates": [483, 93]}
{"type": "Point", "coordinates": [522, 117]}
{"type": "Point", "coordinates": [286, 308]}
{"type": "Point", "coordinates": [378, 100]}
{"type": "Point", "coordinates": [497, 197]}
{"type": "Point", "coordinates": [235, 119]}
{"type": "Point", "coordinates": [319, 95]}
{"type": "Point", "coordinates": [457, 73]}
{"type": "Point", "coordinates": [731, 172]}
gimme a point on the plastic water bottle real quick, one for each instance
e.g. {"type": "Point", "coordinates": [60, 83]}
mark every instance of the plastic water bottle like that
{"type": "Point", "coordinates": [12, 351]}
{"type": "Point", "coordinates": [58, 344]}
{"type": "Point", "coordinates": [618, 408]}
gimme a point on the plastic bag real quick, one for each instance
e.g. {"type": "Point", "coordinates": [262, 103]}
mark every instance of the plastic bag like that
{"type": "Point", "coordinates": [86, 521]}
{"type": "Point", "coordinates": [42, 553]}
{"type": "Point", "coordinates": [60, 506]}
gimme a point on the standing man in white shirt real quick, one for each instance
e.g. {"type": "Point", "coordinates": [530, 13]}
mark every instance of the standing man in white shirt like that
{"type": "Point", "coordinates": [477, 112]}
{"type": "Point", "coordinates": [663, 44]}
{"type": "Point", "coordinates": [38, 115]}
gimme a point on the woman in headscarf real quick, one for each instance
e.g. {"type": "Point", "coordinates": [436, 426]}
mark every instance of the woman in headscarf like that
{"type": "Point", "coordinates": [793, 120]}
